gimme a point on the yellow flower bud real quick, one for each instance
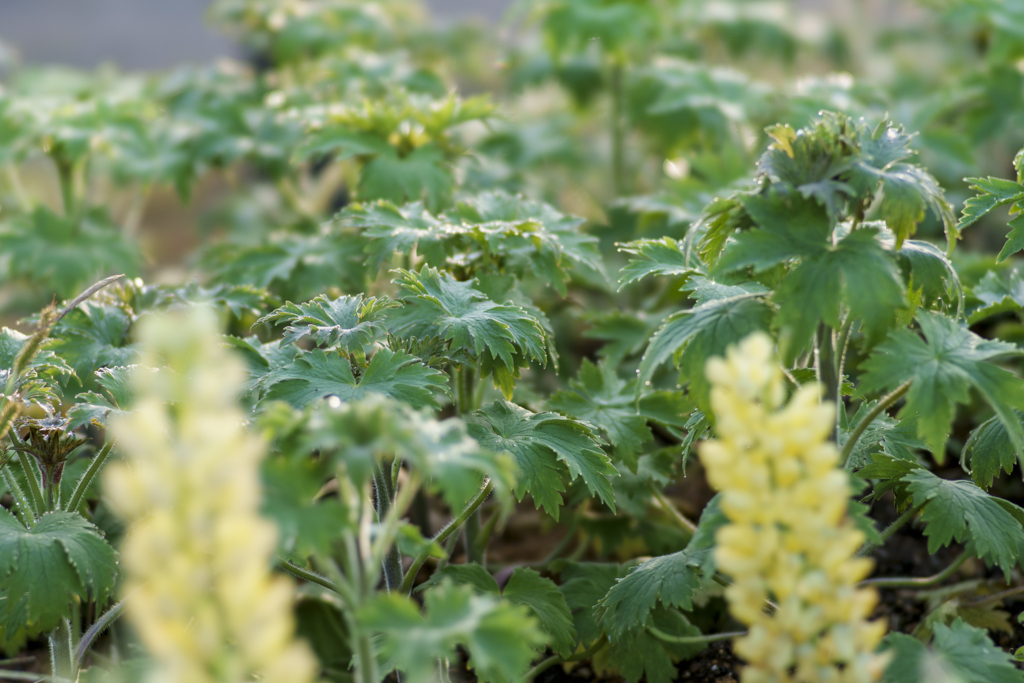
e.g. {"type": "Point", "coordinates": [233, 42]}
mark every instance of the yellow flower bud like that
{"type": "Point", "coordinates": [198, 555]}
{"type": "Point", "coordinates": [789, 538]}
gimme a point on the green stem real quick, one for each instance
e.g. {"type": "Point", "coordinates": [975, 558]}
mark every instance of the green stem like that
{"type": "Point", "coordinates": [599, 643]}
{"type": "Point", "coordinates": [66, 173]}
{"type": "Point", "coordinates": [484, 536]}
{"type": "Point", "coordinates": [14, 178]}
{"type": "Point", "coordinates": [385, 550]}
{"type": "Point", "coordinates": [472, 538]}
{"type": "Point", "coordinates": [842, 341]}
{"type": "Point", "coordinates": [83, 484]}
{"type": "Point", "coordinates": [62, 651]}
{"type": "Point", "coordinates": [996, 597]}
{"type": "Point", "coordinates": [618, 132]}
{"type": "Point", "coordinates": [384, 494]}
{"type": "Point", "coordinates": [890, 530]}
{"type": "Point", "coordinates": [313, 577]}
{"type": "Point", "coordinates": [33, 485]}
{"type": "Point", "coordinates": [101, 625]}
{"type": "Point", "coordinates": [885, 403]}
{"type": "Point", "coordinates": [668, 507]}
{"type": "Point", "coordinates": [918, 582]}
{"type": "Point", "coordinates": [443, 534]}
{"type": "Point", "coordinates": [827, 366]}
{"type": "Point", "coordinates": [22, 506]}
{"type": "Point", "coordinates": [693, 640]}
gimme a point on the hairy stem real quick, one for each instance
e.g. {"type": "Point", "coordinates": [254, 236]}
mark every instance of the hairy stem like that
{"type": "Point", "coordinates": [22, 506]}
{"type": "Point", "coordinates": [94, 632]}
{"type": "Point", "coordinates": [442, 536]}
{"type": "Point", "coordinates": [384, 494]}
{"type": "Point", "coordinates": [884, 404]}
{"type": "Point", "coordinates": [693, 640]}
{"type": "Point", "coordinates": [890, 530]}
{"type": "Point", "coordinates": [83, 484]}
{"type": "Point", "coordinates": [668, 507]}
{"type": "Point", "coordinates": [384, 548]}
{"type": "Point", "coordinates": [918, 582]}
{"type": "Point", "coordinates": [33, 484]}
{"type": "Point", "coordinates": [61, 651]}
{"type": "Point", "coordinates": [827, 369]}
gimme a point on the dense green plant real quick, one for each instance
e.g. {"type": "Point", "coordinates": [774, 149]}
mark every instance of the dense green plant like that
{"type": "Point", "coordinates": [434, 350]}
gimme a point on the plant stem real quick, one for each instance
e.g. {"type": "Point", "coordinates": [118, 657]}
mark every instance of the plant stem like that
{"type": "Point", "coordinates": [33, 484]}
{"type": "Point", "coordinates": [66, 173]}
{"type": "Point", "coordinates": [444, 533]}
{"type": "Point", "coordinates": [313, 577]}
{"type": "Point", "coordinates": [599, 643]}
{"type": "Point", "coordinates": [693, 640]}
{"type": "Point", "coordinates": [22, 506]}
{"type": "Point", "coordinates": [885, 403]}
{"type": "Point", "coordinates": [484, 536]}
{"type": "Point", "coordinates": [384, 549]}
{"type": "Point", "coordinates": [471, 537]}
{"type": "Point", "coordinates": [618, 132]}
{"type": "Point", "coordinates": [90, 474]}
{"type": "Point", "coordinates": [61, 651]}
{"type": "Point", "coordinates": [14, 178]}
{"type": "Point", "coordinates": [842, 341]}
{"type": "Point", "coordinates": [918, 582]}
{"type": "Point", "coordinates": [101, 625]}
{"type": "Point", "coordinates": [996, 597]}
{"type": "Point", "coordinates": [890, 530]}
{"type": "Point", "coordinates": [827, 366]}
{"type": "Point", "coordinates": [668, 507]}
{"type": "Point", "coordinates": [384, 494]}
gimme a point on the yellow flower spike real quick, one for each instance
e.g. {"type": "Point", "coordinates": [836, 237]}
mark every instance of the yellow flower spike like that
{"type": "Point", "coordinates": [789, 537]}
{"type": "Point", "coordinates": [198, 555]}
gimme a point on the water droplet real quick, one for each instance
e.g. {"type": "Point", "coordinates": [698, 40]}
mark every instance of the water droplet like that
{"type": "Point", "coordinates": [647, 383]}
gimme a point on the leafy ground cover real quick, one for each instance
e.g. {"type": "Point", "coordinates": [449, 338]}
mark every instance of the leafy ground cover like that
{"type": "Point", "coordinates": [665, 341]}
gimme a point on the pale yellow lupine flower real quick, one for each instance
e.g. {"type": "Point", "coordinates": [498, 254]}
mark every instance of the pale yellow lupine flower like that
{"type": "Point", "coordinates": [198, 555]}
{"type": "Point", "coordinates": [788, 538]}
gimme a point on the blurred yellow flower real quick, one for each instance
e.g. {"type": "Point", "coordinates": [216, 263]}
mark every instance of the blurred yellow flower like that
{"type": "Point", "coordinates": [788, 539]}
{"type": "Point", "coordinates": [198, 555]}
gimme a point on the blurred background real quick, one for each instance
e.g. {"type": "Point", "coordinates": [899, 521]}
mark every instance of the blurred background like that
{"type": "Point", "coordinates": [149, 34]}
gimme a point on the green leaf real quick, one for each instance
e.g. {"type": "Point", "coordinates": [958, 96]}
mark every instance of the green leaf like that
{"type": "Point", "coordinates": [421, 175]}
{"type": "Point", "coordinates": [992, 193]}
{"type": "Point", "coordinates": [888, 472]}
{"type": "Point", "coordinates": [95, 408]}
{"type": "Point", "coordinates": [501, 638]}
{"type": "Point", "coordinates": [356, 432]}
{"type": "Point", "coordinates": [348, 322]}
{"type": "Point", "coordinates": [43, 568]}
{"type": "Point", "coordinates": [996, 293]}
{"type": "Point", "coordinates": [959, 654]}
{"type": "Point", "coordinates": [1014, 240]}
{"type": "Point", "coordinates": [318, 374]}
{"type": "Point", "coordinates": [691, 337]}
{"type": "Point", "coordinates": [306, 526]}
{"type": "Point", "coordinates": [960, 511]}
{"type": "Point", "coordinates": [885, 434]}
{"type": "Point", "coordinates": [544, 446]}
{"type": "Point", "coordinates": [61, 255]}
{"type": "Point", "coordinates": [671, 580]}
{"type": "Point", "coordinates": [857, 271]}
{"type": "Point", "coordinates": [584, 585]}
{"type": "Point", "coordinates": [440, 305]}
{"type": "Point", "coordinates": [524, 587]}
{"type": "Point", "coordinates": [943, 366]}
{"type": "Point", "coordinates": [93, 336]}
{"type": "Point", "coordinates": [541, 595]}
{"type": "Point", "coordinates": [604, 400]}
{"type": "Point", "coordinates": [989, 449]}
{"type": "Point", "coordinates": [657, 257]}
